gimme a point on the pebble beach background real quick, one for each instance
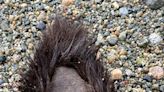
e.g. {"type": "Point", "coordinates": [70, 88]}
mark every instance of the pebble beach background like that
{"type": "Point", "coordinates": [130, 34]}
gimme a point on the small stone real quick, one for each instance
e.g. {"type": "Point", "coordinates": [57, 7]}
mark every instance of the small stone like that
{"type": "Point", "coordinates": [22, 48]}
{"type": "Point", "coordinates": [139, 14]}
{"type": "Point", "coordinates": [41, 25]}
{"type": "Point", "coordinates": [155, 38]}
{"type": "Point", "coordinates": [30, 46]}
{"type": "Point", "coordinates": [116, 74]}
{"type": "Point", "coordinates": [1, 1]}
{"type": "Point", "coordinates": [4, 25]}
{"type": "Point", "coordinates": [123, 11]}
{"type": "Point", "coordinates": [115, 5]}
{"type": "Point", "coordinates": [142, 42]}
{"type": "Point", "coordinates": [98, 1]}
{"type": "Point", "coordinates": [122, 52]}
{"type": "Point", "coordinates": [2, 59]}
{"type": "Point", "coordinates": [140, 61]}
{"type": "Point", "coordinates": [100, 39]}
{"type": "Point", "coordinates": [122, 35]}
{"type": "Point", "coordinates": [112, 12]}
{"type": "Point", "coordinates": [147, 78]}
{"type": "Point", "coordinates": [7, 1]}
{"type": "Point", "coordinates": [155, 86]}
{"type": "Point", "coordinates": [138, 90]}
{"type": "Point", "coordinates": [1, 81]}
{"type": "Point", "coordinates": [23, 5]}
{"type": "Point", "coordinates": [16, 57]}
{"type": "Point", "coordinates": [42, 15]}
{"type": "Point", "coordinates": [154, 4]}
{"type": "Point", "coordinates": [112, 39]}
{"type": "Point", "coordinates": [157, 72]}
{"type": "Point", "coordinates": [67, 2]}
{"type": "Point", "coordinates": [129, 72]}
{"type": "Point", "coordinates": [161, 88]}
{"type": "Point", "coordinates": [111, 58]}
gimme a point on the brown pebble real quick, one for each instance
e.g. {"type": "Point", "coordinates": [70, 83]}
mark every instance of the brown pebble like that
{"type": "Point", "coordinates": [112, 58]}
{"type": "Point", "coordinates": [30, 46]}
{"type": "Point", "coordinates": [42, 15]}
{"type": "Point", "coordinates": [67, 2]}
{"type": "Point", "coordinates": [116, 74]}
{"type": "Point", "coordinates": [123, 52]}
{"type": "Point", "coordinates": [157, 72]}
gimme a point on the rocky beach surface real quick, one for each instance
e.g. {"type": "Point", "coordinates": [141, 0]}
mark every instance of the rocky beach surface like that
{"type": "Point", "coordinates": [130, 34]}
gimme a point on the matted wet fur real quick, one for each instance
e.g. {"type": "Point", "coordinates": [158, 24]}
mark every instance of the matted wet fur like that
{"type": "Point", "coordinates": [65, 44]}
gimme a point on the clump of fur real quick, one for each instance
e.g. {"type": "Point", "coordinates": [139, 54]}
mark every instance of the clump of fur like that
{"type": "Point", "coordinates": [65, 44]}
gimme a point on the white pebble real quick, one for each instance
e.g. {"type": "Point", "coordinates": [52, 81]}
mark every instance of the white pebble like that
{"type": "Point", "coordinates": [155, 38]}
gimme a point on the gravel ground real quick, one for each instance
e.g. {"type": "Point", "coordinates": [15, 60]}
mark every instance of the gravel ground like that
{"type": "Point", "coordinates": [130, 34]}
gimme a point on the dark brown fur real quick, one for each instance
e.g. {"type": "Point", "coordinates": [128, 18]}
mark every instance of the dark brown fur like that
{"type": "Point", "coordinates": [65, 44]}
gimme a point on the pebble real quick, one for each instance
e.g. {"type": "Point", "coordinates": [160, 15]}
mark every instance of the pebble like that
{"type": "Point", "coordinates": [154, 4]}
{"type": "Point", "coordinates": [16, 57]}
{"type": "Point", "coordinates": [7, 1]}
{"type": "Point", "coordinates": [161, 88]}
{"type": "Point", "coordinates": [23, 5]}
{"type": "Point", "coordinates": [138, 90]}
{"type": "Point", "coordinates": [67, 2]}
{"type": "Point", "coordinates": [115, 5]}
{"type": "Point", "coordinates": [1, 81]}
{"type": "Point", "coordinates": [116, 74]}
{"type": "Point", "coordinates": [139, 14]}
{"type": "Point", "coordinates": [122, 51]}
{"type": "Point", "coordinates": [2, 59]}
{"type": "Point", "coordinates": [112, 39]}
{"type": "Point", "coordinates": [111, 58]}
{"type": "Point", "coordinates": [1, 1]}
{"type": "Point", "coordinates": [41, 16]}
{"type": "Point", "coordinates": [100, 39]}
{"type": "Point", "coordinates": [122, 35]}
{"type": "Point", "coordinates": [30, 46]}
{"type": "Point", "coordinates": [98, 1]}
{"type": "Point", "coordinates": [147, 78]}
{"type": "Point", "coordinates": [4, 25]}
{"type": "Point", "coordinates": [140, 61]}
{"type": "Point", "coordinates": [157, 72]}
{"type": "Point", "coordinates": [41, 25]}
{"type": "Point", "coordinates": [129, 72]}
{"type": "Point", "coordinates": [123, 11]}
{"type": "Point", "coordinates": [155, 38]}
{"type": "Point", "coordinates": [155, 86]}
{"type": "Point", "coordinates": [142, 42]}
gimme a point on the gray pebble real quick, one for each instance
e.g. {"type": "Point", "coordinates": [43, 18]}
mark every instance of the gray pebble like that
{"type": "Point", "coordinates": [1, 1]}
{"type": "Point", "coordinates": [161, 20]}
{"type": "Point", "coordinates": [161, 88]}
{"type": "Point", "coordinates": [154, 4]}
{"type": "Point", "coordinates": [2, 59]}
{"type": "Point", "coordinates": [98, 1]}
{"type": "Point", "coordinates": [123, 11]}
{"type": "Point", "coordinates": [129, 72]}
{"type": "Point", "coordinates": [142, 42]}
{"type": "Point", "coordinates": [155, 38]}
{"type": "Point", "coordinates": [41, 25]}
{"type": "Point", "coordinates": [23, 48]}
{"type": "Point", "coordinates": [4, 25]}
{"type": "Point", "coordinates": [112, 39]}
{"type": "Point", "coordinates": [112, 12]}
{"type": "Point", "coordinates": [100, 39]}
{"type": "Point", "coordinates": [1, 81]}
{"type": "Point", "coordinates": [122, 35]}
{"type": "Point", "coordinates": [69, 12]}
{"type": "Point", "coordinates": [147, 78]}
